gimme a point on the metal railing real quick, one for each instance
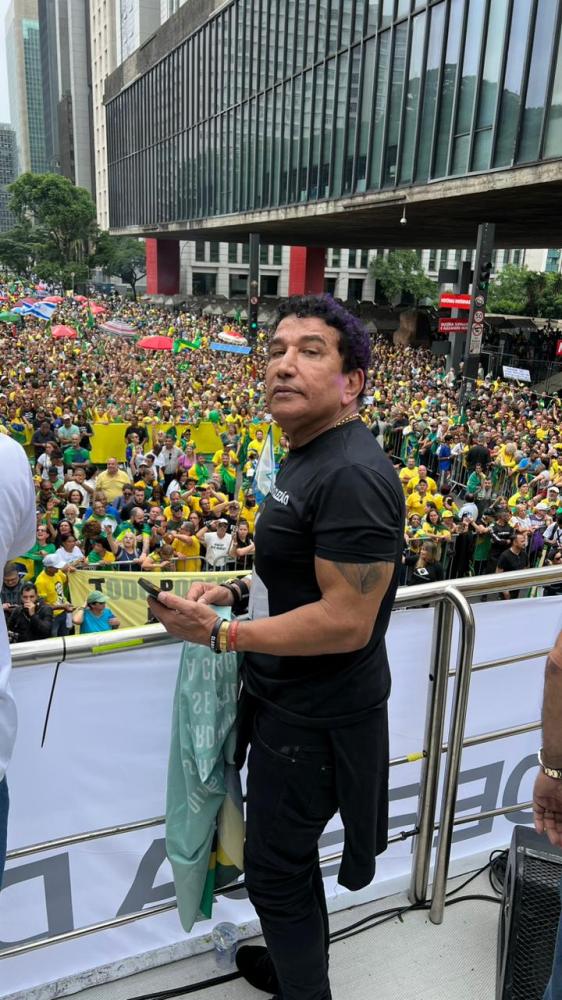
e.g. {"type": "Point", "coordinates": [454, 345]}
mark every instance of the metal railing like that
{"type": "Point", "coordinates": [448, 598]}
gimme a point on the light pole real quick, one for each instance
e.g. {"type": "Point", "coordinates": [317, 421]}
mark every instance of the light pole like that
{"type": "Point", "coordinates": [72, 273]}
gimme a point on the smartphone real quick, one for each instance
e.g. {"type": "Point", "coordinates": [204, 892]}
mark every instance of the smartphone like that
{"type": "Point", "coordinates": [150, 588]}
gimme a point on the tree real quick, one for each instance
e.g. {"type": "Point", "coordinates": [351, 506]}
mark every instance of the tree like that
{"type": "Point", "coordinates": [20, 248]}
{"type": "Point", "coordinates": [64, 214]}
{"type": "Point", "coordinates": [122, 255]}
{"type": "Point", "coordinates": [508, 292]}
{"type": "Point", "coordinates": [401, 274]}
{"type": "Point", "coordinates": [516, 291]}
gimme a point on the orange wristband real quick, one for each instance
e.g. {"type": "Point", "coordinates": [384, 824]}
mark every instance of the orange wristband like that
{"type": "Point", "coordinates": [232, 636]}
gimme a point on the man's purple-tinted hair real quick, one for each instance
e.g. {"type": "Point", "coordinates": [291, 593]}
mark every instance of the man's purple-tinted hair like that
{"type": "Point", "coordinates": [354, 341]}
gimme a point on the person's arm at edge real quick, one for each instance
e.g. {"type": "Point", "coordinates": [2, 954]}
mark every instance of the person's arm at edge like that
{"type": "Point", "coordinates": [547, 793]}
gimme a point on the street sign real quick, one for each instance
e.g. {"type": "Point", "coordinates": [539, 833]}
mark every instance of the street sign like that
{"type": "Point", "coordinates": [450, 301]}
{"type": "Point", "coordinates": [477, 329]}
{"type": "Point", "coordinates": [478, 316]}
{"type": "Point", "coordinates": [475, 341]}
{"type": "Point", "coordinates": [479, 301]}
{"type": "Point", "coordinates": [558, 348]}
{"type": "Point", "coordinates": [520, 374]}
{"type": "Point", "coordinates": [452, 325]}
{"type": "Point", "coordinates": [254, 300]}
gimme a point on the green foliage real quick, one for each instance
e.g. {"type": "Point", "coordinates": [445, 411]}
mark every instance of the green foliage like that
{"type": "Point", "coordinates": [55, 232]}
{"type": "Point", "coordinates": [122, 255]}
{"type": "Point", "coordinates": [401, 274]}
{"type": "Point", "coordinates": [508, 291]}
{"type": "Point", "coordinates": [519, 292]}
{"type": "Point", "coordinates": [65, 213]}
{"type": "Point", "coordinates": [19, 249]}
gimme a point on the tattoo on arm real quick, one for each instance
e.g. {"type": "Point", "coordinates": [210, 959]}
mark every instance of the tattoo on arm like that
{"type": "Point", "coordinates": [364, 577]}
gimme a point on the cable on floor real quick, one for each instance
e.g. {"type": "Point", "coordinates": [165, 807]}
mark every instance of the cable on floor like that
{"type": "Point", "coordinates": [496, 865]}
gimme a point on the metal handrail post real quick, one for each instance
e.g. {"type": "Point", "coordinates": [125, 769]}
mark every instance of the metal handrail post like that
{"type": "Point", "coordinates": [432, 743]}
{"type": "Point", "coordinates": [454, 754]}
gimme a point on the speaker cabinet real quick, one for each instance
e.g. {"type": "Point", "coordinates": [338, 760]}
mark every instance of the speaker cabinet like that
{"type": "Point", "coordinates": [529, 916]}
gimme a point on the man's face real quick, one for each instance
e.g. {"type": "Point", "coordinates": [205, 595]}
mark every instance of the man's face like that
{"type": "Point", "coordinates": [79, 475]}
{"type": "Point", "coordinates": [169, 441]}
{"type": "Point", "coordinates": [221, 530]}
{"type": "Point", "coordinates": [305, 384]}
{"type": "Point", "coordinates": [112, 466]}
{"type": "Point", "coordinates": [11, 580]}
{"type": "Point", "coordinates": [139, 496]}
{"type": "Point", "coordinates": [422, 487]}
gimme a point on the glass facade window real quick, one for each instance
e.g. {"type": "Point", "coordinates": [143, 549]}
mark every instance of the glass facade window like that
{"type": "Point", "coordinates": [552, 261]}
{"type": "Point", "coordinates": [534, 109]}
{"type": "Point", "coordinates": [238, 286]}
{"type": "Point", "coordinates": [279, 102]}
{"type": "Point", "coordinates": [432, 263]}
{"type": "Point", "coordinates": [517, 254]}
{"type": "Point", "coordinates": [214, 251]}
{"type": "Point", "coordinates": [199, 250]}
{"type": "Point", "coordinates": [233, 253]}
{"type": "Point", "coordinates": [204, 283]}
{"type": "Point", "coordinates": [553, 140]}
{"type": "Point", "coordinates": [336, 258]}
{"type": "Point", "coordinates": [269, 285]}
{"type": "Point", "coordinates": [513, 82]}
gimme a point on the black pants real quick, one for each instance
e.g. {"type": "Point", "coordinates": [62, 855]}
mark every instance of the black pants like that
{"type": "Point", "coordinates": [291, 796]}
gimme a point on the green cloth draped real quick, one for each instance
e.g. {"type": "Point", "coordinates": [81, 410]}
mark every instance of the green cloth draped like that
{"type": "Point", "coordinates": [204, 810]}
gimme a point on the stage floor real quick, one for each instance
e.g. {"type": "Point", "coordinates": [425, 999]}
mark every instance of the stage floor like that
{"type": "Point", "coordinates": [410, 959]}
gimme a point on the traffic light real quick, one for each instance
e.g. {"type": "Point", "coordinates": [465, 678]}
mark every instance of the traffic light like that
{"type": "Point", "coordinates": [484, 273]}
{"type": "Point", "coordinates": [253, 320]}
{"type": "Point", "coordinates": [253, 305]}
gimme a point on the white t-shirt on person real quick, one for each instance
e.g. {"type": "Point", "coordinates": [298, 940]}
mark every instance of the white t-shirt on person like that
{"type": "Point", "coordinates": [217, 549]}
{"type": "Point", "coordinates": [17, 534]}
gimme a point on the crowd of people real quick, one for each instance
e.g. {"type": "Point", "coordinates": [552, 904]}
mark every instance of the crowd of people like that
{"type": "Point", "coordinates": [482, 482]}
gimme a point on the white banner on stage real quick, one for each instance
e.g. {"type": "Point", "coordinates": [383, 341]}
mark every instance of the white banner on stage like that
{"type": "Point", "coordinates": [104, 764]}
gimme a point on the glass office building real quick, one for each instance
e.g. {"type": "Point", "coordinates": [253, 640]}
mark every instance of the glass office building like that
{"type": "Point", "coordinates": [279, 102]}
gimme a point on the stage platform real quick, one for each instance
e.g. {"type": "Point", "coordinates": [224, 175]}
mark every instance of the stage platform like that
{"type": "Point", "coordinates": [408, 959]}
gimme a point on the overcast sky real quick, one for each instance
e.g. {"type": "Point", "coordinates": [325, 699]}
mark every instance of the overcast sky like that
{"type": "Point", "coordinates": [4, 102]}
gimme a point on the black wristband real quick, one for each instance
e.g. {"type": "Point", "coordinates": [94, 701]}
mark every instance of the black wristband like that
{"type": "Point", "coordinates": [215, 634]}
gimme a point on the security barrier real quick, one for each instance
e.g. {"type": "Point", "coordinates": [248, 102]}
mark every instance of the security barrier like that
{"type": "Point", "coordinates": [450, 601]}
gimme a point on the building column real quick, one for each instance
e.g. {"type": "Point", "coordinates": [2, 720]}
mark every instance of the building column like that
{"type": "Point", "coordinates": [306, 270]}
{"type": "Point", "coordinates": [162, 267]}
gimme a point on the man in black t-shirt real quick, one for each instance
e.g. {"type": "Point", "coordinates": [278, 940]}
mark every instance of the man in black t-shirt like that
{"type": "Point", "coordinates": [501, 537]}
{"type": "Point", "coordinates": [478, 454]}
{"type": "Point", "coordinates": [315, 672]}
{"type": "Point", "coordinates": [513, 559]}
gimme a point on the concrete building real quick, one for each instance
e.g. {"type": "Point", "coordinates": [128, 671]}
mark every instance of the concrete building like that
{"type": "Point", "coordinates": [25, 84]}
{"type": "Point", "coordinates": [8, 173]}
{"type": "Point", "coordinates": [139, 20]}
{"type": "Point", "coordinates": [104, 37]}
{"type": "Point", "coordinates": [66, 75]}
{"type": "Point", "coordinates": [319, 125]}
{"type": "Point", "coordinates": [117, 28]}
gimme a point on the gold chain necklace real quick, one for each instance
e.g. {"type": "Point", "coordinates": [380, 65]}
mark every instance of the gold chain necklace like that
{"type": "Point", "coordinates": [348, 419]}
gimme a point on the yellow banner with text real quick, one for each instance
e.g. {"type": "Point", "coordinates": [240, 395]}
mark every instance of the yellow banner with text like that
{"type": "Point", "coordinates": [108, 440]}
{"type": "Point", "coordinates": [124, 596]}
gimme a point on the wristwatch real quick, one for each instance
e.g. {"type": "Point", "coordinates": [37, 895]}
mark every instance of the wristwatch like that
{"type": "Point", "coordinates": [552, 772]}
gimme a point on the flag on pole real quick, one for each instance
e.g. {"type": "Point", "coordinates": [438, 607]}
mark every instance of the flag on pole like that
{"type": "Point", "coordinates": [90, 322]}
{"type": "Point", "coordinates": [264, 476]}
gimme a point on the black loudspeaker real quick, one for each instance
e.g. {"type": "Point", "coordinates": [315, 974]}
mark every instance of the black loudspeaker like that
{"type": "Point", "coordinates": [529, 916]}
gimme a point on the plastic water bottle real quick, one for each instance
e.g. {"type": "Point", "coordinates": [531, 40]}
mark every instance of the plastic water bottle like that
{"type": "Point", "coordinates": [225, 939]}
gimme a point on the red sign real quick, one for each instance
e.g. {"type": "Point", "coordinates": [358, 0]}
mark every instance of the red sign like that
{"type": "Point", "coordinates": [453, 325]}
{"type": "Point", "coordinates": [450, 301]}
{"type": "Point", "coordinates": [558, 348]}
